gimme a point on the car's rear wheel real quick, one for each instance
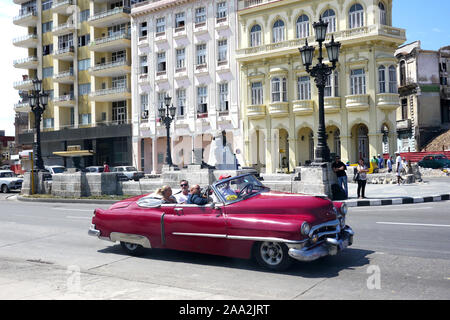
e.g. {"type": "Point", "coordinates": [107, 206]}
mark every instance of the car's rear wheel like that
{"type": "Point", "coordinates": [272, 255]}
{"type": "Point", "coordinates": [5, 188]}
{"type": "Point", "coordinates": [132, 248]}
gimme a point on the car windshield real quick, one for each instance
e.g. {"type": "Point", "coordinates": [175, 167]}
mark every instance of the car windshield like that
{"type": "Point", "coordinates": [240, 188]}
{"type": "Point", "coordinates": [7, 175]}
{"type": "Point", "coordinates": [131, 169]}
{"type": "Point", "coordinates": [58, 170]}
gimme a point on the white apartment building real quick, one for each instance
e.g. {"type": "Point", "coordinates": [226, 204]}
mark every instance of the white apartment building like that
{"type": "Point", "coordinates": [184, 49]}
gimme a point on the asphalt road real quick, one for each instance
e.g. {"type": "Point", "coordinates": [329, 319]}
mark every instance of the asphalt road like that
{"type": "Point", "coordinates": [399, 252]}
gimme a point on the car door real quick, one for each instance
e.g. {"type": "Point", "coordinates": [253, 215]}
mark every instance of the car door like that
{"type": "Point", "coordinates": [196, 228]}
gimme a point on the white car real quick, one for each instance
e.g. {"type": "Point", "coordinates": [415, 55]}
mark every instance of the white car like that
{"type": "Point", "coordinates": [130, 172]}
{"type": "Point", "coordinates": [55, 169]}
{"type": "Point", "coordinates": [9, 181]}
{"type": "Point", "coordinates": [95, 169]}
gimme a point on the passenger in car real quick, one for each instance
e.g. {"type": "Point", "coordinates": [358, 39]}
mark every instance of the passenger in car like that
{"type": "Point", "coordinates": [183, 194]}
{"type": "Point", "coordinates": [195, 196]}
{"type": "Point", "coordinates": [166, 193]}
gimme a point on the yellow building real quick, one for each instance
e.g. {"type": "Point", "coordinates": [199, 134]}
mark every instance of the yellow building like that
{"type": "Point", "coordinates": [81, 49]}
{"type": "Point", "coordinates": [279, 101]}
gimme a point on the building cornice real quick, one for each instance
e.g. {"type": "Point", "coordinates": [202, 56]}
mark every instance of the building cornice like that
{"type": "Point", "coordinates": [151, 7]}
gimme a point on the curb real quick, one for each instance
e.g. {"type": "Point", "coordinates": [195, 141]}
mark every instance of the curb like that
{"type": "Point", "coordinates": [62, 200]}
{"type": "Point", "coordinates": [395, 201]}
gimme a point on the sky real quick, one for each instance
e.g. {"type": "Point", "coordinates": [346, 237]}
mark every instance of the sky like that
{"type": "Point", "coordinates": [427, 21]}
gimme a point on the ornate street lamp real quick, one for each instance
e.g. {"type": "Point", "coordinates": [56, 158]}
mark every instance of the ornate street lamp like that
{"type": "Point", "coordinates": [38, 101]}
{"type": "Point", "coordinates": [320, 72]}
{"type": "Point", "coordinates": [167, 115]}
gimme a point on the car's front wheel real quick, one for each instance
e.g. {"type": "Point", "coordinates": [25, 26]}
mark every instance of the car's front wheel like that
{"type": "Point", "coordinates": [272, 255]}
{"type": "Point", "coordinates": [5, 188]}
{"type": "Point", "coordinates": [132, 248]}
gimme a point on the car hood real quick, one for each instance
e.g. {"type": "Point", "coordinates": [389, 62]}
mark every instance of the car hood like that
{"type": "Point", "coordinates": [12, 179]}
{"type": "Point", "coordinates": [300, 207]}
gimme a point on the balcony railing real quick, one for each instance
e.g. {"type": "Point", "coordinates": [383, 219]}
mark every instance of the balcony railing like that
{"type": "Point", "coordinates": [244, 4]}
{"type": "Point", "coordinates": [63, 74]}
{"type": "Point", "coordinates": [108, 13]}
{"type": "Point", "coordinates": [25, 60]}
{"type": "Point", "coordinates": [114, 37]}
{"type": "Point", "coordinates": [24, 38]}
{"type": "Point", "coordinates": [22, 83]}
{"type": "Point", "coordinates": [63, 26]}
{"type": "Point", "coordinates": [404, 124]}
{"type": "Point", "coordinates": [59, 3]}
{"type": "Point", "coordinates": [104, 92]}
{"type": "Point", "coordinates": [64, 50]}
{"type": "Point", "coordinates": [24, 13]}
{"type": "Point", "coordinates": [111, 64]}
{"type": "Point", "coordinates": [66, 97]}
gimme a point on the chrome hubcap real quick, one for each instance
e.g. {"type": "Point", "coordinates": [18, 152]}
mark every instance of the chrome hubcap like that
{"type": "Point", "coordinates": [131, 246]}
{"type": "Point", "coordinates": [271, 253]}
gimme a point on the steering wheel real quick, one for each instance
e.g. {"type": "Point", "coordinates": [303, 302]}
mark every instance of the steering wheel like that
{"type": "Point", "coordinates": [248, 187]}
{"type": "Point", "coordinates": [206, 192]}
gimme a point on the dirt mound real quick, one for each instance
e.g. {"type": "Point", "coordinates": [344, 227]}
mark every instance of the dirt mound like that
{"type": "Point", "coordinates": [440, 143]}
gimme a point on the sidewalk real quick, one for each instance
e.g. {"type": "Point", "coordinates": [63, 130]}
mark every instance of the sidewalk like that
{"type": "Point", "coordinates": [432, 189]}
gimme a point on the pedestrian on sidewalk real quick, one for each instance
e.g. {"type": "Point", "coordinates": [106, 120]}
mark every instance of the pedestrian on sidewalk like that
{"type": "Point", "coordinates": [389, 163]}
{"type": "Point", "coordinates": [361, 179]}
{"type": "Point", "coordinates": [398, 167]}
{"type": "Point", "coordinates": [105, 167]}
{"type": "Point", "coordinates": [340, 169]}
{"type": "Point", "coordinates": [380, 162]}
{"type": "Point", "coordinates": [374, 164]}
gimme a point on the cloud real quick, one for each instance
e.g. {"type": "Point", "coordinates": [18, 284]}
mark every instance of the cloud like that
{"type": "Point", "coordinates": [436, 30]}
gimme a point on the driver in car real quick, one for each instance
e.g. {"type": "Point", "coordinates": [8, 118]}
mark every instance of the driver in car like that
{"type": "Point", "coordinates": [227, 192]}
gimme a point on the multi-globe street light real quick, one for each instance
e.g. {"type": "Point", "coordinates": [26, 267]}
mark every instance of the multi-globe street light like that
{"type": "Point", "coordinates": [38, 101]}
{"type": "Point", "coordinates": [320, 73]}
{"type": "Point", "coordinates": [167, 115]}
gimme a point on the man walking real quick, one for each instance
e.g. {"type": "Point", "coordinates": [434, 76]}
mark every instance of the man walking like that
{"type": "Point", "coordinates": [340, 168]}
{"type": "Point", "coordinates": [398, 167]}
{"type": "Point", "coordinates": [389, 164]}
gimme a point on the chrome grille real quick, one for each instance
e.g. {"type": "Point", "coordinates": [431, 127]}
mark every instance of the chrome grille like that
{"type": "Point", "coordinates": [325, 230]}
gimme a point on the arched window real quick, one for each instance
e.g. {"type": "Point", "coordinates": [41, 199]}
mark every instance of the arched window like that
{"type": "Point", "coordinates": [302, 26]}
{"type": "Point", "coordinates": [278, 31]}
{"type": "Point", "coordinates": [382, 13]}
{"type": "Point", "coordinates": [279, 89]}
{"type": "Point", "coordinates": [356, 16]}
{"type": "Point", "coordinates": [255, 36]}
{"type": "Point", "coordinates": [392, 80]}
{"type": "Point", "coordinates": [381, 79]}
{"type": "Point", "coordinates": [330, 17]}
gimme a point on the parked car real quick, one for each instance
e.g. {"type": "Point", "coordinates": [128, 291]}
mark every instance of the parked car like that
{"type": "Point", "coordinates": [243, 219]}
{"type": "Point", "coordinates": [130, 172]}
{"type": "Point", "coordinates": [435, 161]}
{"type": "Point", "coordinates": [55, 169]}
{"type": "Point", "coordinates": [9, 181]}
{"type": "Point", "coordinates": [95, 169]}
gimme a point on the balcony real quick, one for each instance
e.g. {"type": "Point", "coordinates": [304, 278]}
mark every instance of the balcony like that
{"type": "Point", "coordinates": [65, 54]}
{"type": "Point", "coordinates": [20, 1]}
{"type": "Point", "coordinates": [201, 69]}
{"type": "Point", "coordinates": [161, 76]}
{"type": "Point", "coordinates": [279, 109]}
{"type": "Point", "coordinates": [26, 18]}
{"type": "Point", "coordinates": [179, 32]}
{"type": "Point", "coordinates": [111, 43]}
{"type": "Point", "coordinates": [346, 37]}
{"type": "Point", "coordinates": [404, 125]}
{"type": "Point", "coordinates": [65, 77]}
{"type": "Point", "coordinates": [222, 23]}
{"type": "Point", "coordinates": [143, 79]}
{"type": "Point", "coordinates": [64, 28]}
{"type": "Point", "coordinates": [181, 73]}
{"type": "Point", "coordinates": [332, 104]}
{"type": "Point", "coordinates": [111, 69]}
{"type": "Point", "coordinates": [143, 42]}
{"type": "Point", "coordinates": [22, 107]}
{"type": "Point", "coordinates": [256, 111]}
{"type": "Point", "coordinates": [61, 6]}
{"type": "Point", "coordinates": [303, 107]}
{"type": "Point", "coordinates": [25, 85]}
{"type": "Point", "coordinates": [66, 100]}
{"type": "Point", "coordinates": [110, 95]}
{"type": "Point", "coordinates": [245, 4]}
{"type": "Point", "coordinates": [26, 63]}
{"type": "Point", "coordinates": [200, 27]}
{"type": "Point", "coordinates": [223, 66]}
{"type": "Point", "coordinates": [27, 41]}
{"type": "Point", "coordinates": [109, 18]}
{"type": "Point", "coordinates": [388, 101]}
{"type": "Point", "coordinates": [357, 102]}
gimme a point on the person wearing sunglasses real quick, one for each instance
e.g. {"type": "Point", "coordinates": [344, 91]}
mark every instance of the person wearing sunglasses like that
{"type": "Point", "coordinates": [183, 194]}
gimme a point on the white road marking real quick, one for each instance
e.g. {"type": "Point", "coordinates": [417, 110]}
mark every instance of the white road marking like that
{"type": "Point", "coordinates": [416, 224]}
{"type": "Point", "coordinates": [384, 208]}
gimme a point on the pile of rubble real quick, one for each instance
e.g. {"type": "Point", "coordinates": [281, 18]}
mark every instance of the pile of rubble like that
{"type": "Point", "coordinates": [428, 172]}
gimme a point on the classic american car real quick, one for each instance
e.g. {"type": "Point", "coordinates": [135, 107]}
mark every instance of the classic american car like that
{"type": "Point", "coordinates": [243, 219]}
{"type": "Point", "coordinates": [434, 161]}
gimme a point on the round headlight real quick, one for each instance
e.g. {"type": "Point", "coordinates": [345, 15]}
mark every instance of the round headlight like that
{"type": "Point", "coordinates": [305, 228]}
{"type": "Point", "coordinates": [342, 221]}
{"type": "Point", "coordinates": [344, 209]}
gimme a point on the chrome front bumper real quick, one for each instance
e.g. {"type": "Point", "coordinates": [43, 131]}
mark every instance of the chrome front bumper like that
{"type": "Point", "coordinates": [329, 247]}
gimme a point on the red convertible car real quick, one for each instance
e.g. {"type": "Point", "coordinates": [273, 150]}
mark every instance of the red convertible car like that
{"type": "Point", "coordinates": [243, 219]}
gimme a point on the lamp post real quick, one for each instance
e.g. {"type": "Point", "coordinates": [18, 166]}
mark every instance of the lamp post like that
{"type": "Point", "coordinates": [38, 101]}
{"type": "Point", "coordinates": [167, 115]}
{"type": "Point", "coordinates": [320, 73]}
